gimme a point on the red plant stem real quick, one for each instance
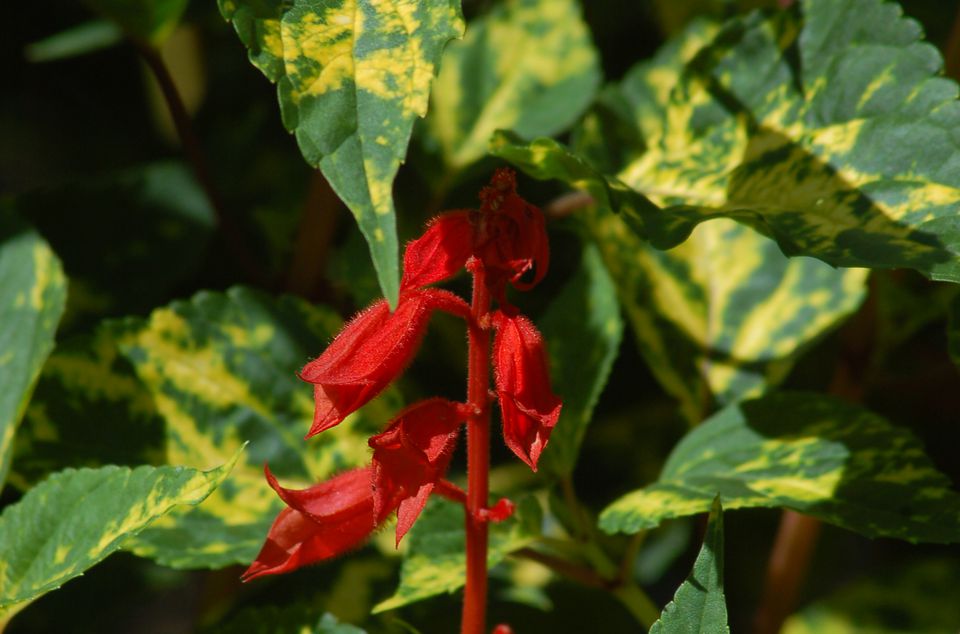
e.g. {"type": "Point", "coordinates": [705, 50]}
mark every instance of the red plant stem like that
{"type": "Point", "coordinates": [478, 456]}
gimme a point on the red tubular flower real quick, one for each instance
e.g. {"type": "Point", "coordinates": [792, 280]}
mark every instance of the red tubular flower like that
{"type": "Point", "coordinates": [511, 235]}
{"type": "Point", "coordinates": [440, 252]}
{"type": "Point", "coordinates": [371, 351]}
{"type": "Point", "coordinates": [411, 456]}
{"type": "Point", "coordinates": [527, 405]}
{"type": "Point", "coordinates": [321, 522]}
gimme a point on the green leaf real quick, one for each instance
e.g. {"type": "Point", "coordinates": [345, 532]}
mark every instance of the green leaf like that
{"type": "Point", "coordinates": [850, 161]}
{"type": "Point", "coordinates": [699, 604]}
{"type": "Point", "coordinates": [32, 295]}
{"type": "Point", "coordinates": [221, 369]}
{"type": "Point", "coordinates": [435, 561]}
{"type": "Point", "coordinates": [528, 66]}
{"type": "Point", "coordinates": [76, 518]}
{"type": "Point", "coordinates": [75, 41]}
{"type": "Point", "coordinates": [89, 409]}
{"type": "Point", "coordinates": [917, 599]}
{"type": "Point", "coordinates": [724, 315]}
{"type": "Point", "coordinates": [583, 330]}
{"type": "Point", "coordinates": [139, 216]}
{"type": "Point", "coordinates": [808, 452]}
{"type": "Point", "coordinates": [352, 78]}
{"type": "Point", "coordinates": [151, 20]}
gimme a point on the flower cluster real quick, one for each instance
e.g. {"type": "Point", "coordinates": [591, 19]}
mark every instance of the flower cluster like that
{"type": "Point", "coordinates": [502, 242]}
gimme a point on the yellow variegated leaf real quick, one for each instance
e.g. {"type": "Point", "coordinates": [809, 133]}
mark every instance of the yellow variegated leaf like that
{"type": "Point", "coordinates": [528, 66]}
{"type": "Point", "coordinates": [75, 518]}
{"type": "Point", "coordinates": [32, 295]}
{"type": "Point", "coordinates": [222, 370]}
{"type": "Point", "coordinates": [722, 316]}
{"type": "Point", "coordinates": [808, 452]}
{"type": "Point", "coordinates": [435, 562]}
{"type": "Point", "coordinates": [832, 135]}
{"type": "Point", "coordinates": [352, 77]}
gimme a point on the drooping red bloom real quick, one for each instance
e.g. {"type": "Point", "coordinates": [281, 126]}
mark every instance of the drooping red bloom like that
{"type": "Point", "coordinates": [321, 522]}
{"type": "Point", "coordinates": [440, 253]}
{"type": "Point", "coordinates": [507, 235]}
{"type": "Point", "coordinates": [412, 455]}
{"type": "Point", "coordinates": [372, 350]}
{"type": "Point", "coordinates": [528, 406]}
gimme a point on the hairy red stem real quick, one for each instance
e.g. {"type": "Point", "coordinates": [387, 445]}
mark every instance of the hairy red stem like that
{"type": "Point", "coordinates": [478, 457]}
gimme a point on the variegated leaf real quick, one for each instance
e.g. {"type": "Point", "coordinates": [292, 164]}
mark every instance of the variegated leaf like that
{"type": "Point", "coordinates": [583, 329]}
{"type": "Point", "coordinates": [699, 604]}
{"type": "Point", "coordinates": [89, 409]}
{"type": "Point", "coordinates": [352, 77]}
{"type": "Point", "coordinates": [724, 315]}
{"type": "Point", "coordinates": [222, 370]}
{"type": "Point", "coordinates": [832, 135]}
{"type": "Point", "coordinates": [151, 20]}
{"type": "Point", "coordinates": [32, 295]}
{"type": "Point", "coordinates": [528, 66]}
{"type": "Point", "coordinates": [808, 452]}
{"type": "Point", "coordinates": [75, 518]}
{"type": "Point", "coordinates": [435, 561]}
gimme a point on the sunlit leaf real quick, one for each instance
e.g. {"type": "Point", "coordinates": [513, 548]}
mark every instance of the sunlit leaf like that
{"type": "Point", "coordinates": [222, 370]}
{"type": "Point", "coordinates": [435, 562]}
{"type": "Point", "coordinates": [528, 66]}
{"type": "Point", "coordinates": [583, 330]}
{"type": "Point", "coordinates": [352, 77]}
{"type": "Point", "coordinates": [699, 604]}
{"type": "Point", "coordinates": [808, 452]}
{"type": "Point", "coordinates": [75, 518]}
{"type": "Point", "coordinates": [851, 160]}
{"type": "Point", "coordinates": [32, 295]}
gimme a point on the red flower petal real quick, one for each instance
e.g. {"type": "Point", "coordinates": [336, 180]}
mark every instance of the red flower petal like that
{"type": "Point", "coordinates": [370, 352]}
{"type": "Point", "coordinates": [321, 522]}
{"type": "Point", "coordinates": [511, 239]}
{"type": "Point", "coordinates": [440, 252]}
{"type": "Point", "coordinates": [411, 455]}
{"type": "Point", "coordinates": [527, 405]}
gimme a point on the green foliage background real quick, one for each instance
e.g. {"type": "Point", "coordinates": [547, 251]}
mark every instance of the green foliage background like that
{"type": "Point", "coordinates": [694, 357]}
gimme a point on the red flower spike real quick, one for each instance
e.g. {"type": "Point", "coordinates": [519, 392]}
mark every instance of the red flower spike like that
{"type": "Point", "coordinates": [511, 236]}
{"type": "Point", "coordinates": [370, 352]}
{"type": "Point", "coordinates": [324, 521]}
{"type": "Point", "coordinates": [527, 405]}
{"type": "Point", "coordinates": [411, 456]}
{"type": "Point", "coordinates": [503, 628]}
{"type": "Point", "coordinates": [440, 252]}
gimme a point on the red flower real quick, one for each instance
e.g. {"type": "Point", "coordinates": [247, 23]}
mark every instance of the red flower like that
{"type": "Point", "coordinates": [372, 350]}
{"type": "Point", "coordinates": [511, 235]}
{"type": "Point", "coordinates": [321, 522]}
{"type": "Point", "coordinates": [412, 455]}
{"type": "Point", "coordinates": [528, 407]}
{"type": "Point", "coordinates": [440, 252]}
{"type": "Point", "coordinates": [507, 235]}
